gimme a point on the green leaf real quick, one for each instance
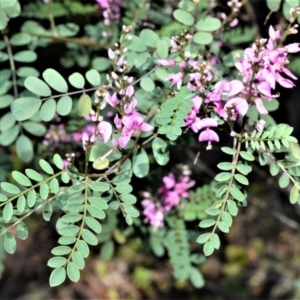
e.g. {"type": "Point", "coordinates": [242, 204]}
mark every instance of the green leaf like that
{"type": "Point", "coordinates": [99, 186]}
{"type": "Point", "coordinates": [273, 5]}
{"type": "Point", "coordinates": [228, 150]}
{"type": "Point", "coordinates": [100, 63]}
{"type": "Point", "coordinates": [247, 156]}
{"type": "Point", "coordinates": [89, 237]}
{"type": "Point", "coordinates": [147, 84]}
{"type": "Point", "coordinates": [61, 250]}
{"type": "Point", "coordinates": [58, 161]}
{"type": "Point", "coordinates": [10, 243]}
{"type": "Point", "coordinates": [159, 148]}
{"type": "Point", "coordinates": [7, 211]}
{"type": "Point", "coordinates": [225, 166]}
{"type": "Point", "coordinates": [47, 212]}
{"type": "Point", "coordinates": [6, 100]}
{"type": "Point", "coordinates": [203, 38]}
{"type": "Point", "coordinates": [46, 167]}
{"type": "Point", "coordinates": [32, 174]}
{"type": "Point", "coordinates": [223, 176]}
{"type": "Point", "coordinates": [226, 217]}
{"type": "Point", "coordinates": [284, 180]}
{"type": "Point", "coordinates": [37, 86]}
{"type": "Point", "coordinates": [44, 191]}
{"type": "Point", "coordinates": [93, 224]}
{"type": "Point", "coordinates": [31, 198]}
{"type": "Point", "coordinates": [84, 105]}
{"type": "Point", "coordinates": [77, 80]}
{"type": "Point", "coordinates": [73, 272]}
{"type": "Point", "coordinates": [232, 208]}
{"type": "Point", "coordinates": [237, 194]}
{"type": "Point", "coordinates": [207, 223]}
{"type": "Point", "coordinates": [83, 248]}
{"type": "Point", "coordinates": [64, 105]}
{"type": "Point", "coordinates": [203, 238]}
{"type": "Point", "coordinates": [48, 110]}
{"type": "Point", "coordinates": [223, 227]}
{"type": "Point", "coordinates": [21, 204]}
{"type": "Point", "coordinates": [183, 17]}
{"type": "Point", "coordinates": [57, 277]}
{"type": "Point", "coordinates": [274, 169]}
{"type": "Point", "coordinates": [294, 195]}
{"type": "Point", "coordinates": [212, 211]}
{"type": "Point", "coordinates": [215, 240]}
{"type": "Point", "coordinates": [150, 37]}
{"type": "Point", "coordinates": [10, 188]}
{"type": "Point", "coordinates": [196, 278]}
{"type": "Point", "coordinates": [241, 179]}
{"type": "Point", "coordinates": [3, 19]}
{"type": "Point", "coordinates": [136, 44]}
{"type": "Point", "coordinates": [208, 24]}
{"type": "Point", "coordinates": [128, 198]}
{"type": "Point", "coordinates": [21, 178]}
{"type": "Point", "coordinates": [140, 163]}
{"type": "Point", "coordinates": [69, 230]}
{"type": "Point", "coordinates": [124, 188]}
{"type": "Point", "coordinates": [78, 260]}
{"type": "Point", "coordinates": [56, 262]}
{"type": "Point", "coordinates": [208, 248]}
{"type": "Point", "coordinates": [34, 128]}
{"type": "Point", "coordinates": [25, 107]}
{"type": "Point", "coordinates": [24, 148]}
{"type": "Point", "coordinates": [96, 212]}
{"type": "Point", "coordinates": [54, 185]}
{"type": "Point", "coordinates": [101, 163]}
{"type": "Point", "coordinates": [25, 56]}
{"type": "Point", "coordinates": [107, 251]}
{"type": "Point", "coordinates": [162, 48]}
{"type": "Point", "coordinates": [27, 71]}
{"type": "Point", "coordinates": [20, 39]}
{"type": "Point", "coordinates": [55, 80]}
{"type": "Point", "coordinates": [93, 77]}
{"type": "Point", "coordinates": [96, 201]}
{"type": "Point", "coordinates": [9, 136]}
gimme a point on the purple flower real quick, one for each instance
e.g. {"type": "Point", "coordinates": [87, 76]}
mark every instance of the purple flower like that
{"type": "Point", "coordinates": [209, 136]}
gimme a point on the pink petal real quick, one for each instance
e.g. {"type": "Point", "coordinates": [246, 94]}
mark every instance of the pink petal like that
{"type": "Point", "coordinates": [264, 88]}
{"type": "Point", "coordinates": [235, 87]}
{"type": "Point", "coordinates": [292, 48]}
{"type": "Point", "coordinates": [105, 130]}
{"type": "Point", "coordinates": [208, 135]}
{"type": "Point", "coordinates": [260, 106]}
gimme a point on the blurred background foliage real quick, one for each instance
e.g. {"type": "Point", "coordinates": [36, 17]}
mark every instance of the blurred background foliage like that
{"type": "Point", "coordinates": [260, 257]}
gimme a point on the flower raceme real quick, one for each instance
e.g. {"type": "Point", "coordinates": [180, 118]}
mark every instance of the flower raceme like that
{"type": "Point", "coordinates": [168, 196]}
{"type": "Point", "coordinates": [261, 66]}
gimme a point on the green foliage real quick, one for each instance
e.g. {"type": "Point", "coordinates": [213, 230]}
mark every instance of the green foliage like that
{"type": "Point", "coordinates": [172, 114]}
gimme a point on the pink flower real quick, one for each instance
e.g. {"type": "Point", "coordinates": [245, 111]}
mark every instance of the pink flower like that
{"type": "Point", "coordinates": [112, 100]}
{"type": "Point", "coordinates": [260, 125]}
{"type": "Point", "coordinates": [176, 79]}
{"type": "Point", "coordinates": [105, 130]}
{"type": "Point", "coordinates": [153, 213]}
{"type": "Point", "coordinates": [204, 123]}
{"type": "Point", "coordinates": [234, 107]}
{"type": "Point", "coordinates": [209, 136]}
{"type": "Point", "coordinates": [135, 122]}
{"type": "Point", "coordinates": [167, 62]}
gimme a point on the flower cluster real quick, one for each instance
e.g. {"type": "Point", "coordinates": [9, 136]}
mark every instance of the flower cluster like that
{"type": "Point", "coordinates": [111, 10]}
{"type": "Point", "coordinates": [261, 67]}
{"type": "Point", "coordinates": [168, 196]}
{"type": "Point", "coordinates": [128, 122]}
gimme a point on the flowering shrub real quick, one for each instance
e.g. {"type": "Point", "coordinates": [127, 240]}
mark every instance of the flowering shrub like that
{"type": "Point", "coordinates": [113, 130]}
